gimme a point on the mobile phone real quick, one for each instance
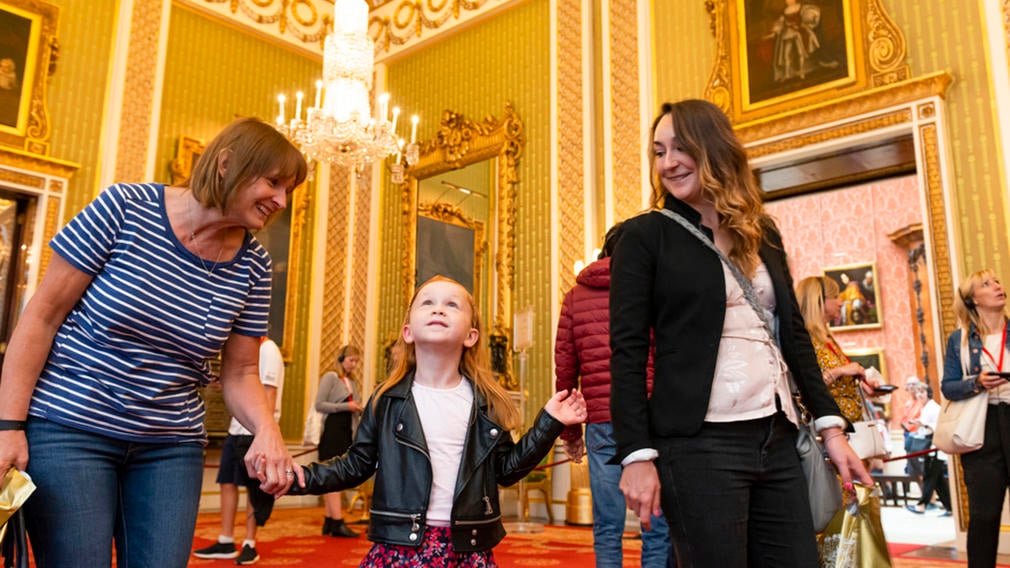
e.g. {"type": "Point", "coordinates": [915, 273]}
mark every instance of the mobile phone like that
{"type": "Point", "coordinates": [884, 389]}
{"type": "Point", "coordinates": [1003, 375]}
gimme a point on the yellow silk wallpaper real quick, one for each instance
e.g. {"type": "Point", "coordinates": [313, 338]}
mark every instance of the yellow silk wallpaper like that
{"type": "Point", "coordinates": [474, 72]}
{"type": "Point", "coordinates": [205, 89]}
{"type": "Point", "coordinates": [77, 92]}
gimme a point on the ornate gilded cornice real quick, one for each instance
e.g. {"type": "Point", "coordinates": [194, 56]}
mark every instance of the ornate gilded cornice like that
{"type": "Point", "coordinates": [841, 108]}
{"type": "Point", "coordinates": [301, 24]}
{"type": "Point", "coordinates": [400, 25]}
{"type": "Point", "coordinates": [394, 25]}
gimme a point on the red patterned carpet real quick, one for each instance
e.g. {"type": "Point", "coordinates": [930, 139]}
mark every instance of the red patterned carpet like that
{"type": "Point", "coordinates": [291, 538]}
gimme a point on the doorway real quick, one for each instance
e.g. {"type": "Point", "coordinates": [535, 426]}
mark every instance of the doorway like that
{"type": "Point", "coordinates": [17, 210]}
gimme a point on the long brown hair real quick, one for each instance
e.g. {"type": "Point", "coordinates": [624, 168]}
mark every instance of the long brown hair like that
{"type": "Point", "coordinates": [475, 364]}
{"type": "Point", "coordinates": [811, 292]}
{"type": "Point", "coordinates": [726, 179]}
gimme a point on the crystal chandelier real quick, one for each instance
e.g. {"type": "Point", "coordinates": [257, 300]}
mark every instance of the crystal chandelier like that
{"type": "Point", "coordinates": [339, 128]}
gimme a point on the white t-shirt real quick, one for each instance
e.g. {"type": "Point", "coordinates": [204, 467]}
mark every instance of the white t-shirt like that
{"type": "Point", "coordinates": [445, 414]}
{"type": "Point", "coordinates": [271, 375]}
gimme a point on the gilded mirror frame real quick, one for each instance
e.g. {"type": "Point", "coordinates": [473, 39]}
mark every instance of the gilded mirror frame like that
{"type": "Point", "coordinates": [460, 142]}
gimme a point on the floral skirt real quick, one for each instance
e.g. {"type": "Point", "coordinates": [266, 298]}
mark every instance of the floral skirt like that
{"type": "Point", "coordinates": [435, 552]}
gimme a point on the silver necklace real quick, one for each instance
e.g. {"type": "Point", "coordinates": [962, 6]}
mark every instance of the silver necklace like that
{"type": "Point", "coordinates": [192, 237]}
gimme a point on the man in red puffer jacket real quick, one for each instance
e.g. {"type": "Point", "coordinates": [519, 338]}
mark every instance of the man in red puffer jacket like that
{"type": "Point", "coordinates": [582, 360]}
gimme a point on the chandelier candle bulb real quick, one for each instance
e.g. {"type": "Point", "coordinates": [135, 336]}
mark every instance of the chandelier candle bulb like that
{"type": "Point", "coordinates": [396, 115]}
{"type": "Point", "coordinates": [413, 126]}
{"type": "Point", "coordinates": [384, 107]}
{"type": "Point", "coordinates": [298, 105]}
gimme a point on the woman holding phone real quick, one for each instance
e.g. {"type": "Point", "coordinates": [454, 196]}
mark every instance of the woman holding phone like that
{"type": "Point", "coordinates": [820, 303]}
{"type": "Point", "coordinates": [976, 362]}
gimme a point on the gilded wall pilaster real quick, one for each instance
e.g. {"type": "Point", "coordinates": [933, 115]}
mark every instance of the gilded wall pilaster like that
{"type": "Point", "coordinates": [571, 132]}
{"type": "Point", "coordinates": [358, 276]}
{"type": "Point", "coordinates": [134, 133]}
{"type": "Point", "coordinates": [625, 97]}
{"type": "Point", "coordinates": [335, 269]}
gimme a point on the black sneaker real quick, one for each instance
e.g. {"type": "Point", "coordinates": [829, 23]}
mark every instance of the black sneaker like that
{"type": "Point", "coordinates": [248, 556]}
{"type": "Point", "coordinates": [217, 550]}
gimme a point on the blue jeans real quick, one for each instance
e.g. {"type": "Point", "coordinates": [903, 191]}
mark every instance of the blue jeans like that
{"type": "Point", "coordinates": [735, 496]}
{"type": "Point", "coordinates": [92, 489]}
{"type": "Point", "coordinates": [609, 508]}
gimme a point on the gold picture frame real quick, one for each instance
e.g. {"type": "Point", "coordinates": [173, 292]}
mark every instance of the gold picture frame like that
{"type": "Point", "coordinates": [282, 238]}
{"type": "Point", "coordinates": [28, 35]}
{"type": "Point", "coordinates": [859, 293]}
{"type": "Point", "coordinates": [772, 57]}
{"type": "Point", "coordinates": [451, 244]}
{"type": "Point", "coordinates": [870, 357]}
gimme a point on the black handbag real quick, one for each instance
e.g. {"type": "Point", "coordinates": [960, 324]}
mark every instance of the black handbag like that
{"type": "Point", "coordinates": [15, 544]}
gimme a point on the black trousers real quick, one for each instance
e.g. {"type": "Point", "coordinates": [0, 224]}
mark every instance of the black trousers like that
{"type": "Point", "coordinates": [987, 476]}
{"type": "Point", "coordinates": [735, 497]}
{"type": "Point", "coordinates": [935, 480]}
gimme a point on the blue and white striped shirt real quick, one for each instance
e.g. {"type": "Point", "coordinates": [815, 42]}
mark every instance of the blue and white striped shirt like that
{"type": "Point", "coordinates": [128, 358]}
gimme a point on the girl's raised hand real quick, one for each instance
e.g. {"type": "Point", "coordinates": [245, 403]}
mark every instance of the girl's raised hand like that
{"type": "Point", "coordinates": [567, 407]}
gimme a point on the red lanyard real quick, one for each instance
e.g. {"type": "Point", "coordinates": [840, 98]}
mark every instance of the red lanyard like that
{"type": "Point", "coordinates": [347, 383]}
{"type": "Point", "coordinates": [1002, 350]}
{"type": "Point", "coordinates": [840, 354]}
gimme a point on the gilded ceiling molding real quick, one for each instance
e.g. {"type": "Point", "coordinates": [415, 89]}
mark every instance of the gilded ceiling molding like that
{"type": "Point", "coordinates": [301, 24]}
{"type": "Point", "coordinates": [401, 25]}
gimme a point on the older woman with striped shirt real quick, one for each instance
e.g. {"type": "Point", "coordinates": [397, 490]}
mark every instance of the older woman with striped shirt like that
{"type": "Point", "coordinates": [99, 388]}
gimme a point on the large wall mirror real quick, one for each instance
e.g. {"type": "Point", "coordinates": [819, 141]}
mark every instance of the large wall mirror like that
{"type": "Point", "coordinates": [459, 218]}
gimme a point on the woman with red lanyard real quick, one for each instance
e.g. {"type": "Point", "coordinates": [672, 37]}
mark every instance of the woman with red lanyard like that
{"type": "Point", "coordinates": [338, 399]}
{"type": "Point", "coordinates": [819, 303]}
{"type": "Point", "coordinates": [976, 362]}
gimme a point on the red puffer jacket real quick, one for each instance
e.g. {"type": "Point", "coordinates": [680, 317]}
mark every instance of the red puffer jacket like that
{"type": "Point", "coordinates": [582, 345]}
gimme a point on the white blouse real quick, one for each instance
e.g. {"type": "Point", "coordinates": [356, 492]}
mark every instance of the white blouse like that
{"type": "Point", "coordinates": [749, 369]}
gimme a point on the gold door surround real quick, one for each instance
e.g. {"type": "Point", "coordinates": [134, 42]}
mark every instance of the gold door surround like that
{"type": "Point", "coordinates": [460, 142]}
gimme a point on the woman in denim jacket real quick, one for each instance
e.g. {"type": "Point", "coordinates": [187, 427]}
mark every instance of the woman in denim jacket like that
{"type": "Point", "coordinates": [976, 352]}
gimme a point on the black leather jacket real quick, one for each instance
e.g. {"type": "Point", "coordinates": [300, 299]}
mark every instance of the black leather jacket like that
{"type": "Point", "coordinates": [390, 443]}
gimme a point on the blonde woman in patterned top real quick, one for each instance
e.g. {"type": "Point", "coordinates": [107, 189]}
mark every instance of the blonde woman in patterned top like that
{"type": "Point", "coordinates": [819, 303]}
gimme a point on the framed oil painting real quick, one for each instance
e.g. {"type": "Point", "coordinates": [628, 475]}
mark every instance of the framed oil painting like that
{"type": "Point", "coordinates": [873, 357]}
{"type": "Point", "coordinates": [777, 56]}
{"type": "Point", "coordinates": [859, 294]}
{"type": "Point", "coordinates": [790, 47]}
{"type": "Point", "coordinates": [27, 46]}
{"type": "Point", "coordinates": [449, 244]}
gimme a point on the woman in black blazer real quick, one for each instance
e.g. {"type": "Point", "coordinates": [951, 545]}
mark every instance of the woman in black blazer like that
{"type": "Point", "coordinates": [715, 443]}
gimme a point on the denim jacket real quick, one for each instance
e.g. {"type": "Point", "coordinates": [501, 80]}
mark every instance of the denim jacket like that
{"type": "Point", "coordinates": [955, 385]}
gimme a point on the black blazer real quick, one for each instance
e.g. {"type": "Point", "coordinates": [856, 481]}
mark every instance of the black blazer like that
{"type": "Point", "coordinates": [663, 278]}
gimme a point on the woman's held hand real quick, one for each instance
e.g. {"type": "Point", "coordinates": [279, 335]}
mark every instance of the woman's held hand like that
{"type": "Point", "coordinates": [641, 488]}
